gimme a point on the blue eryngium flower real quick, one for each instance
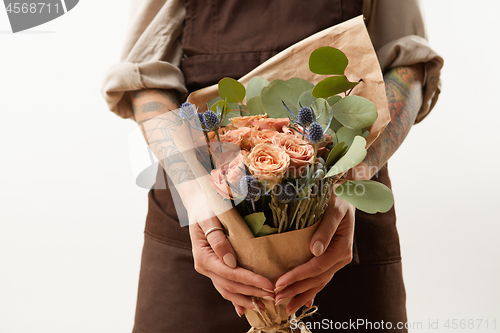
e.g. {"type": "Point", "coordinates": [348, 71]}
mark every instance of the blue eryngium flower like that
{"type": "Point", "coordinates": [315, 132]}
{"type": "Point", "coordinates": [286, 192]}
{"type": "Point", "coordinates": [210, 120]}
{"type": "Point", "coordinates": [187, 111]}
{"type": "Point", "coordinates": [249, 186]}
{"type": "Point", "coordinates": [305, 116]}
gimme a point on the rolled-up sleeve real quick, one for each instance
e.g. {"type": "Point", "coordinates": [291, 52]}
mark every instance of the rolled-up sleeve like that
{"type": "Point", "coordinates": [151, 54]}
{"type": "Point", "coordinates": [398, 33]}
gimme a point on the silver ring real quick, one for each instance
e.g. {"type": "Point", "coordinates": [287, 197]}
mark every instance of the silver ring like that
{"type": "Point", "coordinates": [212, 229]}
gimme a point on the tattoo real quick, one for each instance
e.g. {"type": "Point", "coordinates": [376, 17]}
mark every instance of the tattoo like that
{"type": "Point", "coordinates": [404, 94]}
{"type": "Point", "coordinates": [150, 110]}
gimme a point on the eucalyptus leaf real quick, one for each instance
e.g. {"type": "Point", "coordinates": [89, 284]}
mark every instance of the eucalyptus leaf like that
{"type": "Point", "coordinates": [231, 90]}
{"type": "Point", "coordinates": [222, 105]}
{"type": "Point", "coordinates": [366, 195]}
{"type": "Point", "coordinates": [322, 111]}
{"type": "Point", "coordinates": [347, 135]}
{"type": "Point", "coordinates": [355, 112]}
{"type": "Point", "coordinates": [254, 106]}
{"type": "Point", "coordinates": [266, 230]}
{"type": "Point", "coordinates": [355, 155]}
{"type": "Point", "coordinates": [334, 155]}
{"type": "Point", "coordinates": [327, 61]}
{"type": "Point", "coordinates": [335, 124]}
{"type": "Point", "coordinates": [306, 99]}
{"type": "Point", "coordinates": [255, 221]}
{"type": "Point", "coordinates": [255, 86]}
{"type": "Point", "coordinates": [334, 99]}
{"type": "Point", "coordinates": [332, 85]}
{"type": "Point", "coordinates": [278, 92]}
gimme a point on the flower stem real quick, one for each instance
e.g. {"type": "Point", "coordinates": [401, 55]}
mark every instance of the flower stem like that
{"type": "Point", "coordinates": [218, 140]}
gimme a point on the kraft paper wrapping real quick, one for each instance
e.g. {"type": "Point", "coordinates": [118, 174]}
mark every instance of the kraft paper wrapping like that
{"type": "Point", "coordinates": [274, 255]}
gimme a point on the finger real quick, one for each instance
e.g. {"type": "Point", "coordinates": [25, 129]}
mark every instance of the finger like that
{"type": "Point", "coordinates": [239, 310]}
{"type": "Point", "coordinates": [301, 300]}
{"type": "Point", "coordinates": [321, 238]}
{"type": "Point", "coordinates": [337, 252]}
{"type": "Point", "coordinates": [238, 299]}
{"type": "Point", "coordinates": [207, 261]}
{"type": "Point", "coordinates": [218, 241]}
{"type": "Point", "coordinates": [307, 284]}
{"type": "Point", "coordinates": [239, 288]}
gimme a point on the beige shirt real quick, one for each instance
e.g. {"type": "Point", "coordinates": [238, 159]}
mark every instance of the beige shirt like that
{"type": "Point", "coordinates": [152, 51]}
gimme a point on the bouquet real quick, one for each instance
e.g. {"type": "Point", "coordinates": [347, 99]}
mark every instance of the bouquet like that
{"type": "Point", "coordinates": [277, 142]}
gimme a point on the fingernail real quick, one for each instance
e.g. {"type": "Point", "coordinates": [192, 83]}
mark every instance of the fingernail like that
{"type": "Point", "coordinates": [229, 260]}
{"type": "Point", "coordinates": [237, 312]}
{"type": "Point", "coordinates": [269, 291]}
{"type": "Point", "coordinates": [279, 301]}
{"type": "Point", "coordinates": [269, 298]}
{"type": "Point", "coordinates": [292, 311]}
{"type": "Point", "coordinates": [277, 290]}
{"type": "Point", "coordinates": [310, 304]}
{"type": "Point", "coordinates": [261, 305]}
{"type": "Point", "coordinates": [318, 248]}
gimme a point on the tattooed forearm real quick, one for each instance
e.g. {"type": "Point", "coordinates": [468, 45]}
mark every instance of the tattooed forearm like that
{"type": "Point", "coordinates": [150, 108]}
{"type": "Point", "coordinates": [404, 93]}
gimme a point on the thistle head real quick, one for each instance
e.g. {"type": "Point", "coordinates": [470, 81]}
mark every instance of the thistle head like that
{"type": "Point", "coordinates": [315, 132]}
{"type": "Point", "coordinates": [286, 192]}
{"type": "Point", "coordinates": [250, 187]}
{"type": "Point", "coordinates": [187, 111]}
{"type": "Point", "coordinates": [305, 116]}
{"type": "Point", "coordinates": [210, 120]}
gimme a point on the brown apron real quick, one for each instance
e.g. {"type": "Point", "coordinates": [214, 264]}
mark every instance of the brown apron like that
{"type": "Point", "coordinates": [230, 38]}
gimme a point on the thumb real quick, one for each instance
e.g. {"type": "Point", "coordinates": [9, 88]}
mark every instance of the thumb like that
{"type": "Point", "coordinates": [327, 227]}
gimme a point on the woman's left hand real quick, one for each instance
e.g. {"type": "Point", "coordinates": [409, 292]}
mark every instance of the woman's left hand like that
{"type": "Point", "coordinates": [331, 245]}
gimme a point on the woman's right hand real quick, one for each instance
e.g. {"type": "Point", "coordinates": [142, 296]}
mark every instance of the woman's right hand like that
{"type": "Point", "coordinates": [214, 257]}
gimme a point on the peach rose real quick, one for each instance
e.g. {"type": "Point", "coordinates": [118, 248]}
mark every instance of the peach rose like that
{"type": "Point", "coordinates": [239, 136]}
{"type": "Point", "coordinates": [268, 162]}
{"type": "Point", "coordinates": [244, 121]}
{"type": "Point", "coordinates": [229, 171]}
{"type": "Point", "coordinates": [262, 136]}
{"type": "Point", "coordinates": [270, 123]}
{"type": "Point", "coordinates": [293, 132]}
{"type": "Point", "coordinates": [300, 151]}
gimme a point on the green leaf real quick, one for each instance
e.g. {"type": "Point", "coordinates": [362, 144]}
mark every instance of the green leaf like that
{"type": "Point", "coordinates": [355, 112]}
{"type": "Point", "coordinates": [306, 99]}
{"type": "Point", "coordinates": [332, 85]}
{"type": "Point", "coordinates": [254, 106]}
{"type": "Point", "coordinates": [355, 155]}
{"type": "Point", "coordinates": [279, 91]}
{"type": "Point", "coordinates": [366, 195]}
{"type": "Point", "coordinates": [322, 111]}
{"type": "Point", "coordinates": [334, 99]}
{"type": "Point", "coordinates": [327, 61]}
{"type": "Point", "coordinates": [222, 104]}
{"type": "Point", "coordinates": [255, 222]}
{"type": "Point", "coordinates": [255, 86]}
{"type": "Point", "coordinates": [231, 90]}
{"type": "Point", "coordinates": [347, 135]}
{"type": "Point", "coordinates": [334, 155]}
{"type": "Point", "coordinates": [266, 230]}
{"type": "Point", "coordinates": [335, 125]}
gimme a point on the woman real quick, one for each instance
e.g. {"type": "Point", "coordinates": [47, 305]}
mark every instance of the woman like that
{"type": "Point", "coordinates": [175, 47]}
